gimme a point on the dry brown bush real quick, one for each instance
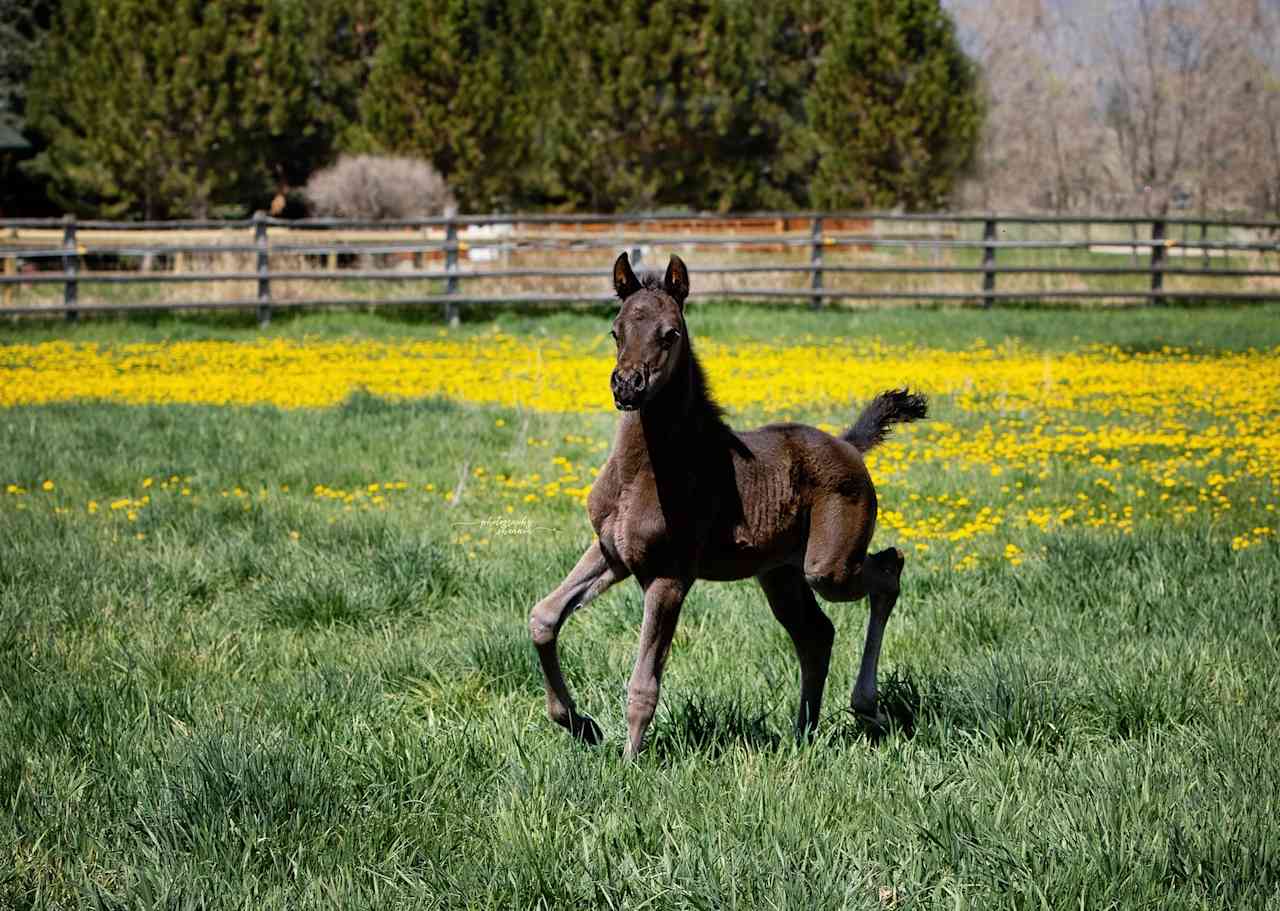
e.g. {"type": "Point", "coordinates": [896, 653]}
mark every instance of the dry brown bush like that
{"type": "Point", "coordinates": [377, 186]}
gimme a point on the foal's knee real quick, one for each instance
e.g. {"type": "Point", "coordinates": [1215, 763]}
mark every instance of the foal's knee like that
{"type": "Point", "coordinates": [835, 583]}
{"type": "Point", "coordinates": [542, 629]}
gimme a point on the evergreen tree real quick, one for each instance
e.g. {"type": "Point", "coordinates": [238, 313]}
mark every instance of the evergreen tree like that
{"type": "Point", "coordinates": [894, 109]}
{"type": "Point", "coordinates": [195, 107]}
{"type": "Point", "coordinates": [619, 95]}
{"type": "Point", "coordinates": [177, 109]}
{"type": "Point", "coordinates": [688, 103]}
{"type": "Point", "coordinates": [23, 25]}
{"type": "Point", "coordinates": [450, 84]}
{"type": "Point", "coordinates": [315, 63]}
{"type": "Point", "coordinates": [571, 104]}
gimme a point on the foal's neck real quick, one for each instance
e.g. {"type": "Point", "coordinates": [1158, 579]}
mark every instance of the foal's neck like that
{"type": "Point", "coordinates": [682, 418]}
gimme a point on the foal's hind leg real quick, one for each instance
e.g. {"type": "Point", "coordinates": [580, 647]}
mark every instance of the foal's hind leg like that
{"type": "Point", "coordinates": [812, 634]}
{"type": "Point", "coordinates": [882, 572]}
{"type": "Point", "coordinates": [589, 578]}
{"type": "Point", "coordinates": [835, 568]}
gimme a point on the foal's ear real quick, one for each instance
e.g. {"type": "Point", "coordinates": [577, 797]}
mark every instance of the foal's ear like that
{"type": "Point", "coordinates": [676, 281]}
{"type": "Point", "coordinates": [624, 280]}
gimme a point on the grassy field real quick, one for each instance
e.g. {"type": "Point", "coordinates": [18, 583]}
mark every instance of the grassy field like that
{"type": "Point", "coordinates": [263, 603]}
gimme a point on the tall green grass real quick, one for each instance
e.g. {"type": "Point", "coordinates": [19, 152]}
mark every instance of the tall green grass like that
{"type": "Point", "coordinates": [220, 715]}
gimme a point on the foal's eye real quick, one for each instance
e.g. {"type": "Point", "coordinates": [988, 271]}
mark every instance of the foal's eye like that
{"type": "Point", "coordinates": [669, 337]}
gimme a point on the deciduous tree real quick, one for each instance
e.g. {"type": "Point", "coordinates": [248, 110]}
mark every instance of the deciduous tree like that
{"type": "Point", "coordinates": [1153, 105]}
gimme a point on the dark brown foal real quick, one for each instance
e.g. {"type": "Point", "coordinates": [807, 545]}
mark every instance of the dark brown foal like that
{"type": "Point", "coordinates": [684, 497]}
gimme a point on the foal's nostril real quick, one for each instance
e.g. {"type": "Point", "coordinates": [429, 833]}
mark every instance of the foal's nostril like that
{"type": "Point", "coordinates": [628, 388]}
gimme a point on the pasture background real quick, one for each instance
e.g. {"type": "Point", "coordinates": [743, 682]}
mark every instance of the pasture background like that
{"type": "Point", "coordinates": [270, 700]}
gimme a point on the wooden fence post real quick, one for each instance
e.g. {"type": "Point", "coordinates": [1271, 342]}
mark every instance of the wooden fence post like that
{"type": "Point", "coordinates": [989, 264]}
{"type": "Point", "coordinates": [264, 269]}
{"type": "Point", "coordinates": [1157, 261]}
{"type": "Point", "coordinates": [70, 267]}
{"type": "Point", "coordinates": [10, 268]}
{"type": "Point", "coordinates": [815, 261]}
{"type": "Point", "coordinates": [451, 266]}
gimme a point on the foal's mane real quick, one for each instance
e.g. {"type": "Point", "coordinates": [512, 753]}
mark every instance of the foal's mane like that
{"type": "Point", "coordinates": [710, 408]}
{"type": "Point", "coordinates": [702, 402]}
{"type": "Point", "coordinates": [650, 280]}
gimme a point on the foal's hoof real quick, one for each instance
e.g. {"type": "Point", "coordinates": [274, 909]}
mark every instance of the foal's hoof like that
{"type": "Point", "coordinates": [586, 730]}
{"type": "Point", "coordinates": [873, 721]}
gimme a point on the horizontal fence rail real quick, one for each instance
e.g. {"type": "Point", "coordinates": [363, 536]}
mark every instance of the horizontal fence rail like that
{"type": "Point", "coordinates": [815, 257]}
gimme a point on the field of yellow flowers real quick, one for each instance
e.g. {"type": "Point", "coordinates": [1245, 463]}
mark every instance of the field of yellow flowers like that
{"type": "Point", "coordinates": [1097, 437]}
{"type": "Point", "coordinates": [263, 603]}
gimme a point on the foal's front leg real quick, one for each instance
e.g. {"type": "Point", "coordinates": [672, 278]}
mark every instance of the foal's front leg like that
{"type": "Point", "coordinates": [593, 575]}
{"type": "Point", "coordinates": [663, 598]}
{"type": "Point", "coordinates": [811, 632]}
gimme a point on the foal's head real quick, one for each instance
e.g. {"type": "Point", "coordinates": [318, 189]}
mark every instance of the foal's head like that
{"type": "Point", "coordinates": [649, 330]}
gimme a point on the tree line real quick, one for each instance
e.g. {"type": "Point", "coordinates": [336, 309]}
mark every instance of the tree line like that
{"type": "Point", "coordinates": [203, 108]}
{"type": "Point", "coordinates": [1148, 105]}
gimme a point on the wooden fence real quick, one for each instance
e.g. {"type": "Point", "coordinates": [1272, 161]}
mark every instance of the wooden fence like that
{"type": "Point", "coordinates": [818, 253]}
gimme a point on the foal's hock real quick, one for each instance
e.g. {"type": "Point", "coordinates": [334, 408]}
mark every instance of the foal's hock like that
{"type": "Point", "coordinates": [684, 497]}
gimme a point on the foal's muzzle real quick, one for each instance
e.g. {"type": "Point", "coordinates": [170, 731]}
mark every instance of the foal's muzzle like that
{"type": "Point", "coordinates": [628, 389]}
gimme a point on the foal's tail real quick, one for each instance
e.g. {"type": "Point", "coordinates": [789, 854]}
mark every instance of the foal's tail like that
{"type": "Point", "coordinates": [897, 406]}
